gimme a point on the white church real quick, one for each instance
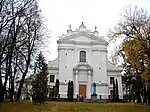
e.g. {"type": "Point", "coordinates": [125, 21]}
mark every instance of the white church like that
{"type": "Point", "coordinates": [82, 58]}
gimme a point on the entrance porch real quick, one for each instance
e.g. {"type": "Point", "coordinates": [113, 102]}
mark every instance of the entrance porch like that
{"type": "Point", "coordinates": [83, 73]}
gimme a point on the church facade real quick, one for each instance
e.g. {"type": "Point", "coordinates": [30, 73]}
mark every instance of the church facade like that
{"type": "Point", "coordinates": [82, 58]}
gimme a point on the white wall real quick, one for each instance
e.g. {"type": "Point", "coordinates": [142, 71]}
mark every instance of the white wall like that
{"type": "Point", "coordinates": [102, 90]}
{"type": "Point", "coordinates": [99, 67]}
{"type": "Point", "coordinates": [65, 65]}
{"type": "Point", "coordinates": [63, 91]}
{"type": "Point", "coordinates": [83, 76]}
{"type": "Point", "coordinates": [96, 57]}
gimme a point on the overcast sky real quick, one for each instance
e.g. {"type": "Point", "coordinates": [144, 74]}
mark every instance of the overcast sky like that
{"type": "Point", "coordinates": [104, 14]}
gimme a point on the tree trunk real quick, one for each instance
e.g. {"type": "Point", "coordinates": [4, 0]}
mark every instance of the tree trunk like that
{"type": "Point", "coordinates": [133, 97]}
{"type": "Point", "coordinates": [6, 76]}
{"type": "Point", "coordinates": [12, 91]}
{"type": "Point", "coordinates": [22, 81]}
{"type": "Point", "coordinates": [1, 85]}
{"type": "Point", "coordinates": [1, 93]}
{"type": "Point", "coordinates": [129, 94]}
{"type": "Point", "coordinates": [144, 94]}
{"type": "Point", "coordinates": [148, 92]}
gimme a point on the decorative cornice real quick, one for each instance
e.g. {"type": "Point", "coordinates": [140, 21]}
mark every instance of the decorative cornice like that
{"type": "Point", "coordinates": [99, 50]}
{"type": "Point", "coordinates": [86, 49]}
{"type": "Point", "coordinates": [81, 43]}
{"type": "Point", "coordinates": [101, 84]}
{"type": "Point", "coordinates": [63, 83]}
{"type": "Point", "coordinates": [82, 81]}
{"type": "Point", "coordinates": [114, 70]}
{"type": "Point", "coordinates": [53, 68]}
{"type": "Point", "coordinates": [118, 75]}
{"type": "Point", "coordinates": [71, 49]}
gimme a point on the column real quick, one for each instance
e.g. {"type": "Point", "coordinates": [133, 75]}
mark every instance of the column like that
{"type": "Point", "coordinates": [89, 85]}
{"type": "Point", "coordinates": [76, 82]}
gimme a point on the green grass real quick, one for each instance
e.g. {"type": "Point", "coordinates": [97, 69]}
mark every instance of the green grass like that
{"type": "Point", "coordinates": [25, 106]}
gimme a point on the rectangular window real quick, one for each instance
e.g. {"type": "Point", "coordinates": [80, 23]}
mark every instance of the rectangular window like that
{"type": "Point", "coordinates": [52, 78]}
{"type": "Point", "coordinates": [82, 56]}
{"type": "Point", "coordinates": [111, 80]}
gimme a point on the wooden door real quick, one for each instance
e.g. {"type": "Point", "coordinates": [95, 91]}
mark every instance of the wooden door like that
{"type": "Point", "coordinates": [82, 90]}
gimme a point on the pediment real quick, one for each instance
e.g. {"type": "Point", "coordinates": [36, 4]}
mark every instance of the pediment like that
{"type": "Point", "coordinates": [82, 37]}
{"type": "Point", "coordinates": [83, 66]}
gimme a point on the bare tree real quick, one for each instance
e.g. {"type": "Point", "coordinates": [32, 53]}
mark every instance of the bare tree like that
{"type": "Point", "coordinates": [134, 28]}
{"type": "Point", "coordinates": [21, 34]}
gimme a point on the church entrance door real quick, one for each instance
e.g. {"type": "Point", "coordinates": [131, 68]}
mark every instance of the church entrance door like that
{"type": "Point", "coordinates": [82, 90]}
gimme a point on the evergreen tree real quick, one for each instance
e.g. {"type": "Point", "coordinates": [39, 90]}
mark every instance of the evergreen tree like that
{"type": "Point", "coordinates": [117, 92]}
{"type": "Point", "coordinates": [39, 84]}
{"type": "Point", "coordinates": [57, 87]}
{"type": "Point", "coordinates": [71, 91]}
{"type": "Point", "coordinates": [54, 92]}
{"type": "Point", "coordinates": [114, 91]}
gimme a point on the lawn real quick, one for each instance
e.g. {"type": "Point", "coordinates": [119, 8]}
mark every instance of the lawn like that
{"type": "Point", "coordinates": [25, 106]}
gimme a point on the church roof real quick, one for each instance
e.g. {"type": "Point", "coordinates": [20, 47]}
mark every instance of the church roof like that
{"type": "Point", "coordinates": [82, 31]}
{"type": "Point", "coordinates": [112, 68]}
{"type": "Point", "coordinates": [53, 64]}
{"type": "Point", "coordinates": [82, 27]}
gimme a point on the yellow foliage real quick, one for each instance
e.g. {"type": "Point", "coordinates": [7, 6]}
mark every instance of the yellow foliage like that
{"type": "Point", "coordinates": [136, 53]}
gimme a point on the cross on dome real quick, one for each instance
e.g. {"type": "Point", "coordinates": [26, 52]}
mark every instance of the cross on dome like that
{"type": "Point", "coordinates": [95, 28]}
{"type": "Point", "coordinates": [96, 32]}
{"type": "Point", "coordinates": [70, 27]}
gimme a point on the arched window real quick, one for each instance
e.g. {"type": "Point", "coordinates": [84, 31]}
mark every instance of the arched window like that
{"type": "Point", "coordinates": [82, 56]}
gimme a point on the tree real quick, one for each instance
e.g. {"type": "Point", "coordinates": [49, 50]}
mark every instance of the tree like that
{"type": "Point", "coordinates": [32, 27]}
{"type": "Point", "coordinates": [134, 28]}
{"type": "Point", "coordinates": [57, 87]}
{"type": "Point", "coordinates": [127, 79]}
{"type": "Point", "coordinates": [70, 91]}
{"type": "Point", "coordinates": [21, 32]}
{"type": "Point", "coordinates": [40, 83]}
{"type": "Point", "coordinates": [117, 92]}
{"type": "Point", "coordinates": [72, 88]}
{"type": "Point", "coordinates": [148, 91]}
{"type": "Point", "coordinates": [114, 91]}
{"type": "Point", "coordinates": [144, 93]}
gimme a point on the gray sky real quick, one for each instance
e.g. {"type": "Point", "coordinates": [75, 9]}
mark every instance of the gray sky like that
{"type": "Point", "coordinates": [104, 14]}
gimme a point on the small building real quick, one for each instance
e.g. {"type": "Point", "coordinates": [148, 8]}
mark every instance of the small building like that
{"type": "Point", "coordinates": [26, 89]}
